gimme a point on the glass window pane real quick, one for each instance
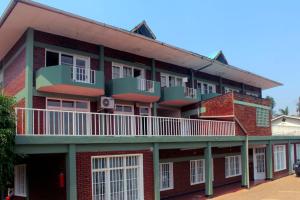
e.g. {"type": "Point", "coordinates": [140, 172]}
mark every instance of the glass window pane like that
{"type": "Point", "coordinates": [52, 58]}
{"type": "Point", "coordinates": [163, 81]}
{"type": "Point", "coordinates": [116, 72]}
{"type": "Point", "coordinates": [54, 103]}
{"type": "Point", "coordinates": [172, 81]}
{"type": "Point", "coordinates": [68, 104]}
{"type": "Point", "coordinates": [66, 60]}
{"type": "Point", "coordinates": [81, 105]}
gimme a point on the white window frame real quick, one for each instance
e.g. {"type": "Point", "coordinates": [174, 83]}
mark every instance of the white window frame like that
{"type": "Point", "coordinates": [228, 162]}
{"type": "Point", "coordinates": [123, 112]}
{"type": "Point", "coordinates": [140, 173]}
{"type": "Point", "coordinates": [88, 59]}
{"type": "Point", "coordinates": [279, 157]}
{"type": "Point", "coordinates": [20, 180]}
{"type": "Point", "coordinates": [121, 66]}
{"type": "Point", "coordinates": [171, 176]}
{"type": "Point", "coordinates": [297, 151]}
{"type": "Point", "coordinates": [208, 85]}
{"type": "Point", "coordinates": [229, 89]}
{"type": "Point", "coordinates": [167, 76]}
{"type": "Point", "coordinates": [196, 164]}
{"type": "Point", "coordinates": [67, 109]}
{"type": "Point", "coordinates": [148, 107]}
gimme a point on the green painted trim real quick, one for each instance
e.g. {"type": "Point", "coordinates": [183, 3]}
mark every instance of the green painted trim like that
{"type": "Point", "coordinates": [188, 158]}
{"type": "Point", "coordinates": [178, 145]}
{"type": "Point", "coordinates": [29, 77]}
{"type": "Point", "coordinates": [156, 171]}
{"type": "Point", "coordinates": [66, 50]}
{"type": "Point", "coordinates": [40, 149]}
{"type": "Point", "coordinates": [134, 64]}
{"type": "Point", "coordinates": [177, 93]}
{"type": "Point", "coordinates": [270, 161]}
{"type": "Point", "coordinates": [290, 146]}
{"type": "Point", "coordinates": [20, 95]}
{"type": "Point", "coordinates": [101, 58]}
{"type": "Point", "coordinates": [251, 104]}
{"type": "Point", "coordinates": [208, 170]}
{"type": "Point", "coordinates": [202, 109]}
{"type": "Point", "coordinates": [71, 173]}
{"type": "Point", "coordinates": [111, 147]}
{"type": "Point", "coordinates": [66, 96]}
{"type": "Point", "coordinates": [227, 144]}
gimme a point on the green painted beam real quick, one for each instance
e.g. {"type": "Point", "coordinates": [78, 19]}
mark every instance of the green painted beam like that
{"type": "Point", "coordinates": [71, 173]}
{"type": "Point", "coordinates": [208, 170]}
{"type": "Point", "coordinates": [156, 171]}
{"type": "Point", "coordinates": [245, 164]}
{"type": "Point", "coordinates": [41, 149]}
{"type": "Point", "coordinates": [251, 104]}
{"type": "Point", "coordinates": [112, 147]}
{"type": "Point", "coordinates": [270, 161]}
{"type": "Point", "coordinates": [186, 145]}
{"type": "Point", "coordinates": [29, 77]}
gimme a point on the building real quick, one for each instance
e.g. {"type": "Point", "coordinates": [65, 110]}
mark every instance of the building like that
{"type": "Point", "coordinates": [181, 122]}
{"type": "Point", "coordinates": [286, 125]}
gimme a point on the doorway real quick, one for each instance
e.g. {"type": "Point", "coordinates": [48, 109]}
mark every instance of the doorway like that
{"type": "Point", "coordinates": [259, 163]}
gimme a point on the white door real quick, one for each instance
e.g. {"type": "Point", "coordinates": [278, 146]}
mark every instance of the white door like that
{"type": "Point", "coordinates": [259, 163]}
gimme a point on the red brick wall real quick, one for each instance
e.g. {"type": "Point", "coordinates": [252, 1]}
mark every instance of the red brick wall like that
{"type": "Point", "coordinates": [218, 106]}
{"type": "Point", "coordinates": [83, 161]}
{"type": "Point", "coordinates": [14, 75]}
{"type": "Point", "coordinates": [247, 115]}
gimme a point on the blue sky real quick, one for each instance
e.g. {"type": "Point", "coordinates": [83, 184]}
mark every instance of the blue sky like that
{"type": "Point", "coordinates": [260, 36]}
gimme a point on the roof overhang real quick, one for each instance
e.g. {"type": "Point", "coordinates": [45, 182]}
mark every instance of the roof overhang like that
{"type": "Point", "coordinates": [22, 14]}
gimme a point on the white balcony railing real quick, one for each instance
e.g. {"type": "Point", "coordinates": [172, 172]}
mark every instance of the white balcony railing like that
{"type": "Point", "coordinates": [54, 122]}
{"type": "Point", "coordinates": [190, 92]}
{"type": "Point", "coordinates": [285, 130]}
{"type": "Point", "coordinates": [83, 75]}
{"type": "Point", "coordinates": [145, 85]}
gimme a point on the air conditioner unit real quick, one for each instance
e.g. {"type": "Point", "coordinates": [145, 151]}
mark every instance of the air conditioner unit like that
{"type": "Point", "coordinates": [106, 103]}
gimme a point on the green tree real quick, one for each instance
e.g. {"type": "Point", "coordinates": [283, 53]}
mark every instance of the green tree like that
{"type": "Point", "coordinates": [273, 103]}
{"type": "Point", "coordinates": [298, 106]}
{"type": "Point", "coordinates": [284, 111]}
{"type": "Point", "coordinates": [7, 141]}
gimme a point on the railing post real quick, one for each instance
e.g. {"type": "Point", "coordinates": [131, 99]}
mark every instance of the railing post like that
{"type": "Point", "coordinates": [208, 170]}
{"type": "Point", "coordinates": [156, 171]}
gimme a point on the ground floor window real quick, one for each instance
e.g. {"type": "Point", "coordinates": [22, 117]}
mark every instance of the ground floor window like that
{"type": "Point", "coordinates": [20, 180]}
{"type": "Point", "coordinates": [233, 166]}
{"type": "Point", "coordinates": [279, 157]}
{"type": "Point", "coordinates": [117, 177]}
{"type": "Point", "coordinates": [197, 168]}
{"type": "Point", "coordinates": [166, 176]}
{"type": "Point", "coordinates": [298, 151]}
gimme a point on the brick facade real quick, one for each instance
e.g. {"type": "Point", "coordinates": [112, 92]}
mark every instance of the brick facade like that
{"type": "Point", "coordinates": [83, 160]}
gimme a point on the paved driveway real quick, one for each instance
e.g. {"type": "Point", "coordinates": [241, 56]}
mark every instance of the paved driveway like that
{"type": "Point", "coordinates": [287, 188]}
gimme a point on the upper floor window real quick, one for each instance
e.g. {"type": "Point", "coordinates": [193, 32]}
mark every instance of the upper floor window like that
{"type": "Point", "coordinates": [262, 117]}
{"type": "Point", "coordinates": [171, 80]}
{"type": "Point", "coordinates": [206, 88]}
{"type": "Point", "coordinates": [228, 89]}
{"type": "Point", "coordinates": [251, 93]}
{"type": "Point", "coordinates": [54, 58]}
{"type": "Point", "coordinates": [123, 71]}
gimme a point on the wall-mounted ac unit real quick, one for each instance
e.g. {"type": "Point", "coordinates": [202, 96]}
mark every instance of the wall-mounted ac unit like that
{"type": "Point", "coordinates": [106, 103]}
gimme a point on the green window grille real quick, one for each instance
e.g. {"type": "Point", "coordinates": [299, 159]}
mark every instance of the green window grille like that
{"type": "Point", "coordinates": [262, 117]}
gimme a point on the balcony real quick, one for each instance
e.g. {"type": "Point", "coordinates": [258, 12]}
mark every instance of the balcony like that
{"type": "Point", "coordinates": [70, 80]}
{"type": "Point", "coordinates": [135, 89]}
{"type": "Point", "coordinates": [66, 123]}
{"type": "Point", "coordinates": [179, 96]}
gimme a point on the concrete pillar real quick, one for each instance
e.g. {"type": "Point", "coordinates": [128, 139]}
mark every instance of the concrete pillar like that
{"type": "Point", "coordinates": [290, 146]}
{"type": "Point", "coordinates": [245, 165]}
{"type": "Point", "coordinates": [270, 161]}
{"type": "Point", "coordinates": [71, 180]}
{"type": "Point", "coordinates": [208, 170]}
{"type": "Point", "coordinates": [29, 78]}
{"type": "Point", "coordinates": [153, 75]}
{"type": "Point", "coordinates": [156, 171]}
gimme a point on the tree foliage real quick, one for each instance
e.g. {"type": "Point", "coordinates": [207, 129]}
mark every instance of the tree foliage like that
{"type": "Point", "coordinates": [272, 100]}
{"type": "Point", "coordinates": [7, 141]}
{"type": "Point", "coordinates": [284, 111]}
